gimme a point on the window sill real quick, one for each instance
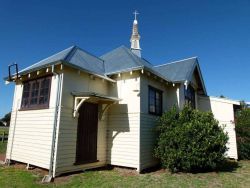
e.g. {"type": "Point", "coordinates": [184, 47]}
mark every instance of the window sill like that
{"type": "Point", "coordinates": [151, 113]}
{"type": "Point", "coordinates": [34, 108]}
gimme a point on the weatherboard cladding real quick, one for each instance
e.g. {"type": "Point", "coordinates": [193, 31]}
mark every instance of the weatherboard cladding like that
{"type": "Point", "coordinates": [118, 60]}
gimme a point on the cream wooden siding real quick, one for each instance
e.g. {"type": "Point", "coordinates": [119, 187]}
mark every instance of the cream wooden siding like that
{"type": "Point", "coordinates": [67, 137]}
{"type": "Point", "coordinates": [181, 95]}
{"type": "Point", "coordinates": [223, 111]}
{"type": "Point", "coordinates": [148, 121]}
{"type": "Point", "coordinates": [124, 122]}
{"type": "Point", "coordinates": [30, 131]}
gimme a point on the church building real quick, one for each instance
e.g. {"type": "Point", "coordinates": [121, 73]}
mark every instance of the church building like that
{"type": "Point", "coordinates": [74, 111]}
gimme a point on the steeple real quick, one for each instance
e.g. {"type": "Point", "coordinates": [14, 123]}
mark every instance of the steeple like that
{"type": "Point", "coordinates": [135, 37]}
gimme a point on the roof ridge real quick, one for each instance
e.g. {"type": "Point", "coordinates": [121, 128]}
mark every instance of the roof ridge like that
{"type": "Point", "coordinates": [48, 58]}
{"type": "Point", "coordinates": [78, 48]}
{"type": "Point", "coordinates": [122, 46]}
{"type": "Point", "coordinates": [133, 56]}
{"type": "Point", "coordinates": [178, 61]}
{"type": "Point", "coordinates": [89, 53]}
{"type": "Point", "coordinates": [70, 54]}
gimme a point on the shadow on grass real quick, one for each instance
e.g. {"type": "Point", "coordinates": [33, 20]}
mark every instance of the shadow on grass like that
{"type": "Point", "coordinates": [226, 166]}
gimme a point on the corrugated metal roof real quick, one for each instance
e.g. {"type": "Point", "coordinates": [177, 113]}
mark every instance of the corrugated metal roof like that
{"type": "Point", "coordinates": [122, 59]}
{"type": "Point", "coordinates": [74, 56]}
{"type": "Point", "coordinates": [182, 70]}
{"type": "Point", "coordinates": [49, 60]}
{"type": "Point", "coordinates": [118, 60]}
{"type": "Point", "coordinates": [178, 70]}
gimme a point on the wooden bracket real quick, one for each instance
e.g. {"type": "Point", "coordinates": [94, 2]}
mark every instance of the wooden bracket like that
{"type": "Point", "coordinates": [104, 110]}
{"type": "Point", "coordinates": [77, 104]}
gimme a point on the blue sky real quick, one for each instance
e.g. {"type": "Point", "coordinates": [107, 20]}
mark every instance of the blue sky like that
{"type": "Point", "coordinates": [218, 32]}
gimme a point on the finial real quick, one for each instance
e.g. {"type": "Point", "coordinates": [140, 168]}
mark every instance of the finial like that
{"type": "Point", "coordinates": [135, 13]}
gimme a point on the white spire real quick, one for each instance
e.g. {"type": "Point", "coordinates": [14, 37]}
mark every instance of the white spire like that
{"type": "Point", "coordinates": [135, 37]}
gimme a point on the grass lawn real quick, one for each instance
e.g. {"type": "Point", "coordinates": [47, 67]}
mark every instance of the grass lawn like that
{"type": "Point", "coordinates": [3, 145]}
{"type": "Point", "coordinates": [15, 176]}
{"type": "Point", "coordinates": [5, 129]}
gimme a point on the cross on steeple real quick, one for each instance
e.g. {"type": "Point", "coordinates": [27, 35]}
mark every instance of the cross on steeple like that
{"type": "Point", "coordinates": [135, 13]}
{"type": "Point", "coordinates": [135, 37]}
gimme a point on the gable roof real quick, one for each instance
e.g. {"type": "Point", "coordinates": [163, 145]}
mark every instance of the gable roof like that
{"type": "Point", "coordinates": [122, 59]}
{"type": "Point", "coordinates": [74, 57]}
{"type": "Point", "coordinates": [181, 71]}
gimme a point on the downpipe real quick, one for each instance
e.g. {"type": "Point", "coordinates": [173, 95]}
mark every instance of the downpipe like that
{"type": "Point", "coordinates": [50, 176]}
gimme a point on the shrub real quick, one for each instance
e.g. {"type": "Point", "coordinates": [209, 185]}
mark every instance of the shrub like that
{"type": "Point", "coordinates": [190, 140]}
{"type": "Point", "coordinates": [243, 133]}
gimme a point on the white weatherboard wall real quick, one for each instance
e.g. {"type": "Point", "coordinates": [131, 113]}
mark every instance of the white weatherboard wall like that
{"type": "Point", "coordinates": [30, 131]}
{"type": "Point", "coordinates": [170, 97]}
{"type": "Point", "coordinates": [67, 138]}
{"type": "Point", "coordinates": [223, 111]}
{"type": "Point", "coordinates": [124, 122]}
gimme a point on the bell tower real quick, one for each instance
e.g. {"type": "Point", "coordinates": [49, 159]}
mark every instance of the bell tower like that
{"type": "Point", "coordinates": [135, 37]}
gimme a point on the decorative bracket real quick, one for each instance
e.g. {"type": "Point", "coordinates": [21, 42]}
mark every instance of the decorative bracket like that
{"type": "Point", "coordinates": [77, 104]}
{"type": "Point", "coordinates": [104, 110]}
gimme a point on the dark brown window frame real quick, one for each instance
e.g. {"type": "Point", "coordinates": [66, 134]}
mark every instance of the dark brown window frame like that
{"type": "Point", "coordinates": [159, 111]}
{"type": "Point", "coordinates": [29, 92]}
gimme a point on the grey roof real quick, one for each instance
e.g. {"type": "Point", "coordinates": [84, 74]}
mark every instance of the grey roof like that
{"type": "Point", "coordinates": [73, 56]}
{"type": "Point", "coordinates": [118, 60]}
{"type": "Point", "coordinates": [50, 60]}
{"type": "Point", "coordinates": [178, 70]}
{"type": "Point", "coordinates": [122, 59]}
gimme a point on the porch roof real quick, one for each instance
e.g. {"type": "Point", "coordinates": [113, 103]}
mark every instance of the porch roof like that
{"type": "Point", "coordinates": [80, 97]}
{"type": "Point", "coordinates": [95, 95]}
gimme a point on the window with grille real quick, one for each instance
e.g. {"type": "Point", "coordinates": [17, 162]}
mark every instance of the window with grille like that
{"type": "Point", "coordinates": [36, 93]}
{"type": "Point", "coordinates": [155, 101]}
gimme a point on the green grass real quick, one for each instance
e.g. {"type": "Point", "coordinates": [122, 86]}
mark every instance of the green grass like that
{"type": "Point", "coordinates": [232, 177]}
{"type": "Point", "coordinates": [3, 147]}
{"type": "Point", "coordinates": [5, 129]}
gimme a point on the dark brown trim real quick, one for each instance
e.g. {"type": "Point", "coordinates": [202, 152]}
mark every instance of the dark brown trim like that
{"type": "Point", "coordinates": [36, 106]}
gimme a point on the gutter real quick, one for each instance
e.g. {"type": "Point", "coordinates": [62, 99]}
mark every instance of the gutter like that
{"type": "Point", "coordinates": [26, 71]}
{"type": "Point", "coordinates": [151, 70]}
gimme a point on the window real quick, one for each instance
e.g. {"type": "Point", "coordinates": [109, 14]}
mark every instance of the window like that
{"type": "Point", "coordinates": [155, 101]}
{"type": "Point", "coordinates": [36, 93]}
{"type": "Point", "coordinates": [190, 96]}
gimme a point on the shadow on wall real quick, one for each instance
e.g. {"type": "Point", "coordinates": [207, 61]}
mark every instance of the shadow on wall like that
{"type": "Point", "coordinates": [118, 123]}
{"type": "Point", "coordinates": [171, 99]}
{"type": "Point", "coordinates": [204, 104]}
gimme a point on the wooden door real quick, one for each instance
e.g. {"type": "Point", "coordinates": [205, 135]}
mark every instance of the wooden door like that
{"type": "Point", "coordinates": [86, 147]}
